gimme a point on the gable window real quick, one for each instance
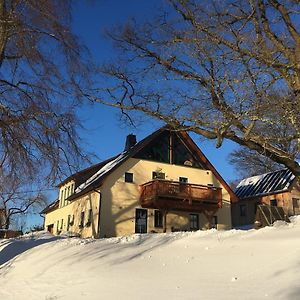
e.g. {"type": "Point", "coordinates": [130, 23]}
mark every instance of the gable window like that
{"type": "Point", "coordinates": [183, 180]}
{"type": "Point", "coordinates": [194, 222]}
{"type": "Point", "coordinates": [158, 175]}
{"type": "Point", "coordinates": [90, 216]}
{"type": "Point", "coordinates": [158, 219]}
{"type": "Point", "coordinates": [128, 177]}
{"type": "Point", "coordinates": [243, 210]}
{"type": "Point", "coordinates": [157, 150]}
{"type": "Point", "coordinates": [182, 155]}
{"type": "Point", "coordinates": [81, 224]}
{"type": "Point", "coordinates": [273, 202]}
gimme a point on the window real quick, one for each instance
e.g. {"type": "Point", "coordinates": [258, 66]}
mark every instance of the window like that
{"type": "Point", "coordinates": [158, 219]}
{"type": "Point", "coordinates": [214, 222]}
{"type": "Point", "coordinates": [182, 155]}
{"type": "Point", "coordinates": [90, 216]}
{"type": "Point", "coordinates": [128, 177]}
{"type": "Point", "coordinates": [141, 216]}
{"type": "Point", "coordinates": [273, 202]}
{"type": "Point", "coordinates": [70, 222]}
{"type": "Point", "coordinates": [61, 224]}
{"type": "Point", "coordinates": [81, 224]}
{"type": "Point", "coordinates": [183, 179]}
{"type": "Point", "coordinates": [295, 204]}
{"type": "Point", "coordinates": [243, 210]}
{"type": "Point", "coordinates": [157, 150]}
{"type": "Point", "coordinates": [158, 175]}
{"type": "Point", "coordinates": [194, 222]}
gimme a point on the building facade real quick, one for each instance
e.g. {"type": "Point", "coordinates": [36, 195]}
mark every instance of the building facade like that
{"type": "Point", "coordinates": [280, 188]}
{"type": "Point", "coordinates": [163, 183]}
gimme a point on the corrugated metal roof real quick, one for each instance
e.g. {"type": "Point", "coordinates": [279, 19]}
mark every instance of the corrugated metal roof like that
{"type": "Point", "coordinates": [267, 183]}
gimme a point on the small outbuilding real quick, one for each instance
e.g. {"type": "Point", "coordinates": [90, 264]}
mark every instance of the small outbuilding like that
{"type": "Point", "coordinates": [278, 189]}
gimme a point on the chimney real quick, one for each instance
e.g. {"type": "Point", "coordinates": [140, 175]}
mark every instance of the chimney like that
{"type": "Point", "coordinates": [130, 141]}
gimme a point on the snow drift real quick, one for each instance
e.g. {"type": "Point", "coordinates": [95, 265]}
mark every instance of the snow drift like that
{"type": "Point", "coordinates": [233, 264]}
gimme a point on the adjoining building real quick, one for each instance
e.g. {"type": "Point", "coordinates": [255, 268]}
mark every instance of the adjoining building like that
{"type": "Point", "coordinates": [163, 183]}
{"type": "Point", "coordinates": [280, 188]}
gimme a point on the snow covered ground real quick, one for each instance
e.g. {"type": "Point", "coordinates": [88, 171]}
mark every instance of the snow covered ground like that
{"type": "Point", "coordinates": [234, 264]}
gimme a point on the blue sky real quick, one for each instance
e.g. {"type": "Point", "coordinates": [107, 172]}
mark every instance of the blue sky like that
{"type": "Point", "coordinates": [104, 133]}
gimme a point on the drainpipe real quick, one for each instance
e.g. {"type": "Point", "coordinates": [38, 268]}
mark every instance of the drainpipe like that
{"type": "Point", "coordinates": [99, 211]}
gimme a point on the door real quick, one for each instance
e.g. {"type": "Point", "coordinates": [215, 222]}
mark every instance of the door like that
{"type": "Point", "coordinates": [141, 216]}
{"type": "Point", "coordinates": [50, 228]}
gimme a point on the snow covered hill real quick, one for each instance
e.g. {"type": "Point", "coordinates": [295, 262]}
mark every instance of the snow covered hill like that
{"type": "Point", "coordinates": [234, 264]}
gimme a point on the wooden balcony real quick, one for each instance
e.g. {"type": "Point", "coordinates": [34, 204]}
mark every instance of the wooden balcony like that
{"type": "Point", "coordinates": [174, 195]}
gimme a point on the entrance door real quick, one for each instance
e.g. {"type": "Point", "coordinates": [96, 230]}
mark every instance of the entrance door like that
{"type": "Point", "coordinates": [50, 228]}
{"type": "Point", "coordinates": [141, 216]}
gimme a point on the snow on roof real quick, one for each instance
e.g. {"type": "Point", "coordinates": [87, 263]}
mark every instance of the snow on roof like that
{"type": "Point", "coordinates": [264, 184]}
{"type": "Point", "coordinates": [101, 172]}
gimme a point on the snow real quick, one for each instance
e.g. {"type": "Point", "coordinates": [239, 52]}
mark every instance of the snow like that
{"type": "Point", "coordinates": [106, 168]}
{"type": "Point", "coordinates": [235, 264]}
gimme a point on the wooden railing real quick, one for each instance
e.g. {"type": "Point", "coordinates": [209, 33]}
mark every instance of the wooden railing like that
{"type": "Point", "coordinates": [183, 196]}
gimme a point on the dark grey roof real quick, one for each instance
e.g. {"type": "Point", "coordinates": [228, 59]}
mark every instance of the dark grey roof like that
{"type": "Point", "coordinates": [268, 183]}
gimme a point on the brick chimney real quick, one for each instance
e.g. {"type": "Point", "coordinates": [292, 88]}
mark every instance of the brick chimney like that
{"type": "Point", "coordinates": [130, 141]}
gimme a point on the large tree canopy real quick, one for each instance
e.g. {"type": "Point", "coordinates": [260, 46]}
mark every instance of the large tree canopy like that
{"type": "Point", "coordinates": [222, 69]}
{"type": "Point", "coordinates": [42, 65]}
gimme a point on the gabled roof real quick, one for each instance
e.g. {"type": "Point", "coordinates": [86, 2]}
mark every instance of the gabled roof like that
{"type": "Point", "coordinates": [268, 183]}
{"type": "Point", "coordinates": [102, 170]}
{"type": "Point", "coordinates": [52, 206]}
{"type": "Point", "coordinates": [84, 174]}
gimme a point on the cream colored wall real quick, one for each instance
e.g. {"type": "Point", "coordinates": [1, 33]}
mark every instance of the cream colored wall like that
{"type": "Point", "coordinates": [84, 203]}
{"type": "Point", "coordinates": [120, 199]}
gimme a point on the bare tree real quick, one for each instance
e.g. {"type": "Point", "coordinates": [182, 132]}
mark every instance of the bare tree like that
{"type": "Point", "coordinates": [250, 163]}
{"type": "Point", "coordinates": [41, 67]}
{"type": "Point", "coordinates": [213, 67]}
{"type": "Point", "coordinates": [17, 198]}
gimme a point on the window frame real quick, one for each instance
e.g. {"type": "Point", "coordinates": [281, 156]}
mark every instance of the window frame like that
{"type": "Point", "coordinates": [194, 221]}
{"type": "Point", "coordinates": [130, 174]}
{"type": "Point", "coordinates": [158, 219]}
{"type": "Point", "coordinates": [183, 179]}
{"type": "Point", "coordinates": [158, 175]}
{"type": "Point", "coordinates": [90, 217]}
{"type": "Point", "coordinates": [82, 217]}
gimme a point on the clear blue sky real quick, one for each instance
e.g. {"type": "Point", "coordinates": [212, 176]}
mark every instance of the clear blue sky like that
{"type": "Point", "coordinates": [104, 134]}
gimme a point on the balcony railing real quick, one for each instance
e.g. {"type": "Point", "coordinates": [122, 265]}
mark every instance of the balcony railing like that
{"type": "Point", "coordinates": [174, 195]}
